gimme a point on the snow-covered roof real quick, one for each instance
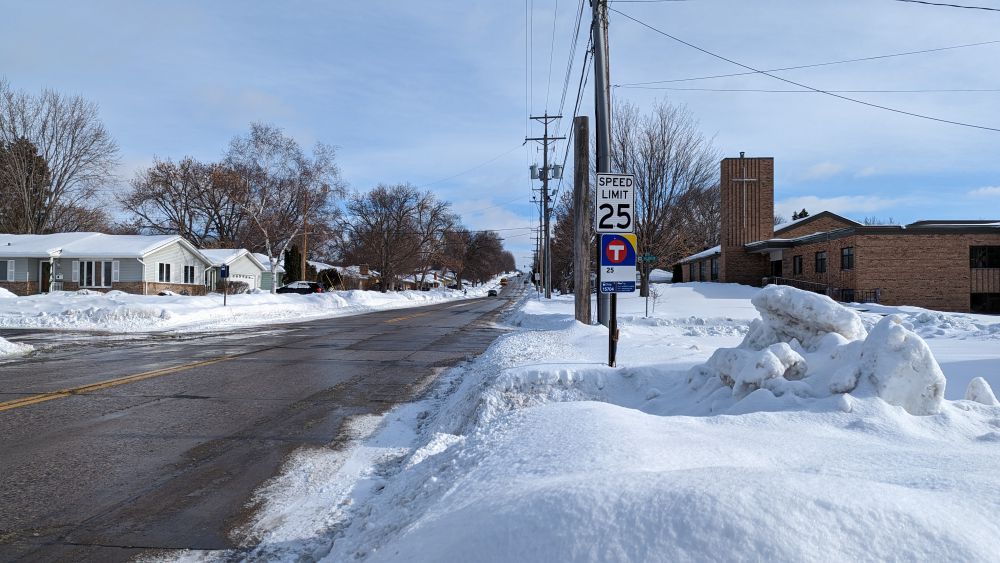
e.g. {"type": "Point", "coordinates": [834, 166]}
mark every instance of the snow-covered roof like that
{"type": "Point", "coordinates": [85, 245]}
{"type": "Point", "coordinates": [266, 262]}
{"type": "Point", "coordinates": [703, 254]}
{"type": "Point", "coordinates": [220, 256]}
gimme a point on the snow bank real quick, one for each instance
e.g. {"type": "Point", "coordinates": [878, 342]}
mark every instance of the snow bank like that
{"type": "Point", "coordinates": [538, 451]}
{"type": "Point", "coordinates": [6, 294]}
{"type": "Point", "coordinates": [808, 345]}
{"type": "Point", "coordinates": [10, 349]}
{"type": "Point", "coordinates": [980, 391]}
{"type": "Point", "coordinates": [116, 311]}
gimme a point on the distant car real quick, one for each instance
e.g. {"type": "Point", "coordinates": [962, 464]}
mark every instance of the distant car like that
{"type": "Point", "coordinates": [491, 293]}
{"type": "Point", "coordinates": [301, 287]}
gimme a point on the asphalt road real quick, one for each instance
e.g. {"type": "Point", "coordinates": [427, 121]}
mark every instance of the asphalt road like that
{"type": "Point", "coordinates": [169, 459]}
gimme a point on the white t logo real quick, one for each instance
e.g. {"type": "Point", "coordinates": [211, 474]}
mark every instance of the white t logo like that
{"type": "Point", "coordinates": [616, 248]}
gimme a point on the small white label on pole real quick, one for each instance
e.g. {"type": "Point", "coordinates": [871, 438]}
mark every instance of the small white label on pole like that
{"type": "Point", "coordinates": [614, 207]}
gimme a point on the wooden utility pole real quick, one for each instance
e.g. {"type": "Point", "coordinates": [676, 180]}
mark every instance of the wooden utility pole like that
{"type": "Point", "coordinates": [602, 125]}
{"type": "Point", "coordinates": [582, 225]}
{"type": "Point", "coordinates": [305, 235]}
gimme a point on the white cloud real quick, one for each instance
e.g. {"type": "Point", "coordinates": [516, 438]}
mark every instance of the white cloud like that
{"type": "Point", "coordinates": [822, 171]}
{"type": "Point", "coordinates": [840, 204]}
{"type": "Point", "coordinates": [988, 191]}
{"type": "Point", "coordinates": [866, 172]}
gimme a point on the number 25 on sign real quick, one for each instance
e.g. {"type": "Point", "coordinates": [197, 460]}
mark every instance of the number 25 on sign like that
{"type": "Point", "coordinates": [615, 203]}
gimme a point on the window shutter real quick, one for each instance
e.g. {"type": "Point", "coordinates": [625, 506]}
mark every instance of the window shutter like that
{"type": "Point", "coordinates": [76, 271]}
{"type": "Point", "coordinates": [10, 270]}
{"type": "Point", "coordinates": [115, 270]}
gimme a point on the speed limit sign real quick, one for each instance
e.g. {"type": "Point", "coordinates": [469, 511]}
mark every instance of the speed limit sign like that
{"type": "Point", "coordinates": [614, 207]}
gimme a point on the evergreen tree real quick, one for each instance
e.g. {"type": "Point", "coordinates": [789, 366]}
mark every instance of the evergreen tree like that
{"type": "Point", "coordinates": [803, 214]}
{"type": "Point", "coordinates": [293, 264]}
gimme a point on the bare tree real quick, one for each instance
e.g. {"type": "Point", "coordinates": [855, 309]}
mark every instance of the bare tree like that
{"type": "Point", "coordinates": [669, 157]}
{"type": "Point", "coordinates": [874, 221]}
{"type": "Point", "coordinates": [168, 198]}
{"type": "Point", "coordinates": [277, 185]}
{"type": "Point", "coordinates": [78, 152]}
{"type": "Point", "coordinates": [779, 219]}
{"type": "Point", "coordinates": [380, 229]}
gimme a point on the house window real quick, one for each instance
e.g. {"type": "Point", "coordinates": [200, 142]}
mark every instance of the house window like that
{"type": "Point", "coordinates": [188, 274]}
{"type": "Point", "coordinates": [715, 269]}
{"type": "Point", "coordinates": [821, 262]}
{"type": "Point", "coordinates": [4, 266]}
{"type": "Point", "coordinates": [691, 271]}
{"type": "Point", "coordinates": [847, 258]}
{"type": "Point", "coordinates": [95, 273]}
{"type": "Point", "coordinates": [984, 256]}
{"type": "Point", "coordinates": [164, 275]}
{"type": "Point", "coordinates": [797, 265]}
{"type": "Point", "coordinates": [701, 271]}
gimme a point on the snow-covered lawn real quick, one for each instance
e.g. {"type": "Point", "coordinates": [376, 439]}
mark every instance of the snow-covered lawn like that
{"type": "Point", "coordinates": [718, 437]}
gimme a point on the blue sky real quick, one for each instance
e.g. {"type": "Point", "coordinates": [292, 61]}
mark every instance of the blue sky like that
{"type": "Point", "coordinates": [435, 93]}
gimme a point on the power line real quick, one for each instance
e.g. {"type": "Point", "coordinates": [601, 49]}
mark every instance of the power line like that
{"type": "Point", "coordinates": [480, 165]}
{"type": "Point", "coordinates": [764, 90]}
{"type": "Point", "coordinates": [801, 85]}
{"type": "Point", "coordinates": [814, 65]}
{"type": "Point", "coordinates": [940, 4]}
{"type": "Point", "coordinates": [572, 55]}
{"type": "Point", "coordinates": [576, 110]}
{"type": "Point", "coordinates": [552, 53]}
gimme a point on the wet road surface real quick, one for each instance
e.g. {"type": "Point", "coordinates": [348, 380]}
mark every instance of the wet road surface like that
{"type": "Point", "coordinates": [170, 461]}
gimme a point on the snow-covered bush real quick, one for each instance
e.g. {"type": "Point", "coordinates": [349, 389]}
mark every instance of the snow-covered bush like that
{"type": "Point", "coordinates": [809, 346]}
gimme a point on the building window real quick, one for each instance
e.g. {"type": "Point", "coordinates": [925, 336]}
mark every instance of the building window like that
{"type": "Point", "coordinates": [797, 265]}
{"type": "Point", "coordinates": [701, 271]}
{"type": "Point", "coordinates": [691, 271]}
{"type": "Point", "coordinates": [715, 269]}
{"type": "Point", "coordinates": [5, 267]}
{"type": "Point", "coordinates": [984, 256]}
{"type": "Point", "coordinates": [985, 302]}
{"type": "Point", "coordinates": [821, 262]}
{"type": "Point", "coordinates": [164, 275]}
{"type": "Point", "coordinates": [95, 273]}
{"type": "Point", "coordinates": [188, 274]}
{"type": "Point", "coordinates": [847, 258]}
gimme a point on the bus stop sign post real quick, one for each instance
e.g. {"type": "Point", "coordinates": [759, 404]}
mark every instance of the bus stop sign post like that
{"type": "Point", "coordinates": [617, 267]}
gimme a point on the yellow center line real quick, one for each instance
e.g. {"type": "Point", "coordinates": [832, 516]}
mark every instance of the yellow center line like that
{"type": "Point", "coordinates": [52, 395]}
{"type": "Point", "coordinates": [407, 317]}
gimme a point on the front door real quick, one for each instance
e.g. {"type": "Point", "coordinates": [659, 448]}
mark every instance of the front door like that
{"type": "Point", "coordinates": [776, 268]}
{"type": "Point", "coordinates": [45, 279]}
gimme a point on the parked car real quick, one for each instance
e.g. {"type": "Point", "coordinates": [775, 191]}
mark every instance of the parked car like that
{"type": "Point", "coordinates": [301, 287]}
{"type": "Point", "coordinates": [491, 293]}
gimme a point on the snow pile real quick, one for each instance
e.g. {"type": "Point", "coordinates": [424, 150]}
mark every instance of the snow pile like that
{"type": "Point", "coordinates": [809, 346]}
{"type": "Point", "coordinates": [9, 349]}
{"type": "Point", "coordinates": [6, 294]}
{"type": "Point", "coordinates": [979, 391]}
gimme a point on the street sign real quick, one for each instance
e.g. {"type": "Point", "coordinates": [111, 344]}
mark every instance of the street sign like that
{"type": "Point", "coordinates": [224, 271]}
{"type": "Point", "coordinates": [614, 207]}
{"type": "Point", "coordinates": [618, 261]}
{"type": "Point", "coordinates": [647, 258]}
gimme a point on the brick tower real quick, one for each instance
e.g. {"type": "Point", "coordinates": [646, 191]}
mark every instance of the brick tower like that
{"type": "Point", "coordinates": [747, 186]}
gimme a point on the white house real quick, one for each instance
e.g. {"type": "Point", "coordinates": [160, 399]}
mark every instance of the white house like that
{"type": "Point", "coordinates": [31, 264]}
{"type": "Point", "coordinates": [243, 266]}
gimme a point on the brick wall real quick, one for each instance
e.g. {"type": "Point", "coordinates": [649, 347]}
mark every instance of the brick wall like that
{"type": "Point", "coordinates": [834, 275]}
{"type": "Point", "coordinates": [21, 289]}
{"type": "Point", "coordinates": [747, 197]}
{"type": "Point", "coordinates": [152, 288]}
{"type": "Point", "coordinates": [818, 225]}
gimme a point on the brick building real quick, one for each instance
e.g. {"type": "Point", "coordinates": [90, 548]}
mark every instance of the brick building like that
{"type": "Point", "coordinates": [943, 265]}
